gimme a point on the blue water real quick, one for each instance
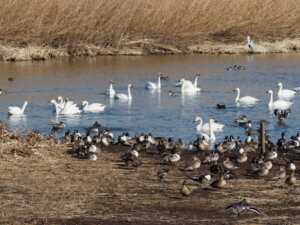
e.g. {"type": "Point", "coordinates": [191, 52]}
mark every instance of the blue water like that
{"type": "Point", "coordinates": [87, 79]}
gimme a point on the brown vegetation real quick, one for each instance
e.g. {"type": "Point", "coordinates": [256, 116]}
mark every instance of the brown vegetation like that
{"type": "Point", "coordinates": [99, 27]}
{"type": "Point", "coordinates": [42, 184]}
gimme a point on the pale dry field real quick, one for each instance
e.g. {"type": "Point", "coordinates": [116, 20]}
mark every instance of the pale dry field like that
{"type": "Point", "coordinates": [33, 29]}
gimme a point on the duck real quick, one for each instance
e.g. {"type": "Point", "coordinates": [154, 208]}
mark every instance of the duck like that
{"type": "Point", "coordinates": [245, 99]}
{"type": "Point", "coordinates": [280, 174]}
{"type": "Point", "coordinates": [282, 114]}
{"type": "Point", "coordinates": [250, 43]}
{"type": "Point", "coordinates": [220, 106]}
{"type": "Point", "coordinates": [125, 97]}
{"type": "Point", "coordinates": [58, 126]}
{"type": "Point", "coordinates": [15, 110]}
{"type": "Point", "coordinates": [229, 164]}
{"type": "Point", "coordinates": [219, 183]}
{"type": "Point", "coordinates": [185, 190]}
{"type": "Point", "coordinates": [202, 179]}
{"type": "Point", "coordinates": [242, 158]}
{"type": "Point", "coordinates": [2, 91]}
{"type": "Point", "coordinates": [285, 94]}
{"type": "Point", "coordinates": [242, 120]}
{"type": "Point", "coordinates": [11, 79]}
{"type": "Point", "coordinates": [161, 174]}
{"type": "Point", "coordinates": [279, 104]}
{"type": "Point", "coordinates": [173, 158]}
{"type": "Point", "coordinates": [240, 207]}
{"type": "Point", "coordinates": [195, 165]}
{"type": "Point", "coordinates": [172, 93]}
{"type": "Point", "coordinates": [152, 85]}
{"type": "Point", "coordinates": [291, 180]}
{"type": "Point", "coordinates": [94, 107]}
{"type": "Point", "coordinates": [110, 91]}
{"type": "Point", "coordinates": [216, 127]}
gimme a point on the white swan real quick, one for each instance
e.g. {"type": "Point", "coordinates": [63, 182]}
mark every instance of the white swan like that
{"type": "Point", "coordinates": [95, 107]}
{"type": "Point", "coordinates": [111, 92]}
{"type": "Point", "coordinates": [211, 137]}
{"type": "Point", "coordinates": [69, 109]}
{"type": "Point", "coordinates": [285, 93]}
{"type": "Point", "coordinates": [279, 104]}
{"type": "Point", "coordinates": [151, 85]}
{"type": "Point", "coordinates": [125, 97]}
{"type": "Point", "coordinates": [250, 42]}
{"type": "Point", "coordinates": [245, 99]}
{"type": "Point", "coordinates": [189, 87]}
{"type": "Point", "coordinates": [216, 127]}
{"type": "Point", "coordinates": [15, 110]}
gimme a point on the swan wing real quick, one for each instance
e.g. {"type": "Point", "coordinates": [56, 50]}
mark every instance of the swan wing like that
{"type": "Point", "coordinates": [150, 85]}
{"type": "Point", "coordinates": [121, 96]}
{"type": "Point", "coordinates": [248, 99]}
{"type": "Point", "coordinates": [281, 104]}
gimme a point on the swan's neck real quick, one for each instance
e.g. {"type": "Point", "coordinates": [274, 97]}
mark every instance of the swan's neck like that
{"type": "Point", "coordinates": [111, 87]}
{"type": "Point", "coordinates": [271, 99]}
{"type": "Point", "coordinates": [238, 95]}
{"type": "Point", "coordinates": [212, 134]}
{"type": "Point", "coordinates": [158, 83]}
{"type": "Point", "coordinates": [56, 108]}
{"type": "Point", "coordinates": [199, 125]}
{"type": "Point", "coordinates": [196, 82]}
{"type": "Point", "coordinates": [280, 89]}
{"type": "Point", "coordinates": [86, 104]}
{"type": "Point", "coordinates": [182, 86]}
{"type": "Point", "coordinates": [129, 93]}
{"type": "Point", "coordinates": [24, 106]}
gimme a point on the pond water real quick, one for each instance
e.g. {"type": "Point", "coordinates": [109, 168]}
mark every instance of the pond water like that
{"type": "Point", "coordinates": [87, 79]}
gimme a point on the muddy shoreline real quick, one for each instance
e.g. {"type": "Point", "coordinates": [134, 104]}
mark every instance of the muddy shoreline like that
{"type": "Point", "coordinates": [42, 184]}
{"type": "Point", "coordinates": [143, 48]}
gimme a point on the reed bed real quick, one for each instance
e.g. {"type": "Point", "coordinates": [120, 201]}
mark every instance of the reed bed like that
{"type": "Point", "coordinates": [138, 27]}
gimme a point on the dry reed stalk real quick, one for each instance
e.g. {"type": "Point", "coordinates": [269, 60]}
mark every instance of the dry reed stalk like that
{"type": "Point", "coordinates": [43, 29]}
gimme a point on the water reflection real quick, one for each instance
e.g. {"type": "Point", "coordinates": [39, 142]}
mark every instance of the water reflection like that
{"type": "Point", "coordinates": [17, 120]}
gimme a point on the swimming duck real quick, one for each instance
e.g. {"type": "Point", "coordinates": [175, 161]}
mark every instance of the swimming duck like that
{"type": "Point", "coordinates": [111, 92]}
{"type": "Point", "coordinates": [241, 120]}
{"type": "Point", "coordinates": [219, 106]}
{"type": "Point", "coordinates": [245, 99]}
{"type": "Point", "coordinates": [172, 93]}
{"type": "Point", "coordinates": [11, 79]}
{"type": "Point", "coordinates": [15, 110]}
{"type": "Point", "coordinates": [185, 190]}
{"type": "Point", "coordinates": [151, 85]}
{"type": "Point", "coordinates": [285, 93]}
{"type": "Point", "coordinates": [241, 207]}
{"type": "Point", "coordinates": [58, 126]}
{"type": "Point", "coordinates": [94, 108]}
{"type": "Point", "coordinates": [282, 114]}
{"type": "Point", "coordinates": [219, 183]}
{"type": "Point", "coordinates": [279, 104]}
{"type": "Point", "coordinates": [125, 97]}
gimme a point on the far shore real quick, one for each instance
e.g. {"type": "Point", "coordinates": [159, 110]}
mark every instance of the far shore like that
{"type": "Point", "coordinates": [142, 48]}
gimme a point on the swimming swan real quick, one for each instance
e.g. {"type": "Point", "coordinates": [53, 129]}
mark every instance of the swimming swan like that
{"type": "Point", "coordinates": [216, 127]}
{"type": "Point", "coordinates": [151, 85]}
{"type": "Point", "coordinates": [15, 110]}
{"type": "Point", "coordinates": [279, 104]}
{"type": "Point", "coordinates": [111, 92]}
{"type": "Point", "coordinates": [189, 87]}
{"type": "Point", "coordinates": [95, 107]}
{"type": "Point", "coordinates": [125, 97]}
{"type": "Point", "coordinates": [69, 109]}
{"type": "Point", "coordinates": [245, 99]}
{"type": "Point", "coordinates": [285, 93]}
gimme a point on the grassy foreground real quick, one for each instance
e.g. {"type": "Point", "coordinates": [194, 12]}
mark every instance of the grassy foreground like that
{"type": "Point", "coordinates": [33, 29]}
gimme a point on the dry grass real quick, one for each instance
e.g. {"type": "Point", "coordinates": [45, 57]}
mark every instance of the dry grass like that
{"type": "Point", "coordinates": [41, 184]}
{"type": "Point", "coordinates": [94, 27]}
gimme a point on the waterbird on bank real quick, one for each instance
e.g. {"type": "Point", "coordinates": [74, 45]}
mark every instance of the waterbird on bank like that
{"type": "Point", "coordinates": [94, 107]}
{"type": "Point", "coordinates": [152, 85]}
{"type": "Point", "coordinates": [250, 43]}
{"type": "Point", "coordinates": [219, 183]}
{"type": "Point", "coordinates": [291, 179]}
{"type": "Point", "coordinates": [161, 174]}
{"type": "Point", "coordinates": [185, 190]}
{"type": "Point", "coordinates": [194, 165]}
{"type": "Point", "coordinates": [245, 99]}
{"type": "Point", "coordinates": [125, 97]}
{"type": "Point", "coordinates": [285, 94]}
{"type": "Point", "coordinates": [241, 207]}
{"type": "Point", "coordinates": [202, 179]}
{"type": "Point", "coordinates": [110, 91]}
{"type": "Point", "coordinates": [15, 110]}
{"type": "Point", "coordinates": [279, 104]}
